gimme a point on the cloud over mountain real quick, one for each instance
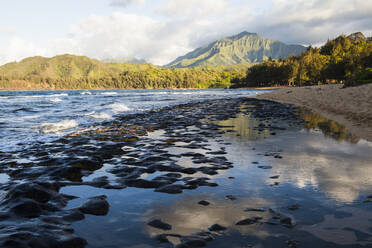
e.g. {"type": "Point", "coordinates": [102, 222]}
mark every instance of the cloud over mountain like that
{"type": "Point", "coordinates": [159, 31]}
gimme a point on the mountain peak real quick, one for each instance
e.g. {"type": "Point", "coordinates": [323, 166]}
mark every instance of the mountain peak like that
{"type": "Point", "coordinates": [242, 48]}
{"type": "Point", "coordinates": [356, 37]}
{"type": "Point", "coordinates": [241, 34]}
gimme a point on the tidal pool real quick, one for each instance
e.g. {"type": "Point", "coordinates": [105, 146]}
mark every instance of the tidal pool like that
{"type": "Point", "coordinates": [315, 174]}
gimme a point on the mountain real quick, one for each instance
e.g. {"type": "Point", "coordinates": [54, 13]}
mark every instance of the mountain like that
{"type": "Point", "coordinates": [79, 72]}
{"type": "Point", "coordinates": [124, 60]}
{"type": "Point", "coordinates": [357, 37]}
{"type": "Point", "coordinates": [65, 66]}
{"type": "Point", "coordinates": [242, 48]}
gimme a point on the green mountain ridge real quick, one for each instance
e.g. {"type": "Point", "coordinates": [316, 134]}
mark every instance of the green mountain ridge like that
{"type": "Point", "coordinates": [79, 72]}
{"type": "Point", "coordinates": [243, 48]}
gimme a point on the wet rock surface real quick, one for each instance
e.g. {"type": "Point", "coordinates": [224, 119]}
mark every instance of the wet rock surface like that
{"type": "Point", "coordinates": [124, 149]}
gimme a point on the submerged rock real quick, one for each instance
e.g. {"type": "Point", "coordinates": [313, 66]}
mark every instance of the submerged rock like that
{"type": "Point", "coordinates": [157, 223]}
{"type": "Point", "coordinates": [96, 206]}
{"type": "Point", "coordinates": [204, 203]}
{"type": "Point", "coordinates": [216, 228]}
{"type": "Point", "coordinates": [170, 189]}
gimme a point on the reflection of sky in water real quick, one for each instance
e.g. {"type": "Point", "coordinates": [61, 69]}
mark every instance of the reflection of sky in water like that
{"type": "Point", "coordinates": [328, 177]}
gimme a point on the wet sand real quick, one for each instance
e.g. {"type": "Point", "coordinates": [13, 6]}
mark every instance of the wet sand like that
{"type": "Point", "coordinates": [351, 107]}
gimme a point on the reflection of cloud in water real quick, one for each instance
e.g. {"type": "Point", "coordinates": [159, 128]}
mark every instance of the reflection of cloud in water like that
{"type": "Point", "coordinates": [187, 216]}
{"type": "Point", "coordinates": [338, 230]}
{"type": "Point", "coordinates": [334, 161]}
{"type": "Point", "coordinates": [341, 170]}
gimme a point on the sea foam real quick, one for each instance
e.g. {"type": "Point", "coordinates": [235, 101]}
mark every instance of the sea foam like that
{"type": "Point", "coordinates": [119, 107]}
{"type": "Point", "coordinates": [57, 126]}
{"type": "Point", "coordinates": [101, 115]}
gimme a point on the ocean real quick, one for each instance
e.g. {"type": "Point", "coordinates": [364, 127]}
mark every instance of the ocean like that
{"type": "Point", "coordinates": [27, 117]}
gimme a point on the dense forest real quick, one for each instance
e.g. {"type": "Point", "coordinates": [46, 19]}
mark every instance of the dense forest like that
{"type": "Point", "coordinates": [79, 72]}
{"type": "Point", "coordinates": [346, 59]}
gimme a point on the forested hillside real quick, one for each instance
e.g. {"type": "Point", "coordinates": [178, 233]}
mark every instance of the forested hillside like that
{"type": "Point", "coordinates": [79, 72]}
{"type": "Point", "coordinates": [346, 59]}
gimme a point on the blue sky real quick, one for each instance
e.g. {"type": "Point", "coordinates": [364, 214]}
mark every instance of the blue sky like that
{"type": "Point", "coordinates": [161, 30]}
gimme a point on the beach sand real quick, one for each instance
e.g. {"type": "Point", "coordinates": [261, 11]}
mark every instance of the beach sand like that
{"type": "Point", "coordinates": [351, 107]}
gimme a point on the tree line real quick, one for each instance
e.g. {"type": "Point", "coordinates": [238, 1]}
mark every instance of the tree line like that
{"type": "Point", "coordinates": [341, 60]}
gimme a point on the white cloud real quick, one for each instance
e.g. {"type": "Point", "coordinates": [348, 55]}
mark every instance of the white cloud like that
{"type": "Point", "coordinates": [16, 48]}
{"type": "Point", "coordinates": [125, 3]}
{"type": "Point", "coordinates": [175, 27]}
{"type": "Point", "coordinates": [192, 8]}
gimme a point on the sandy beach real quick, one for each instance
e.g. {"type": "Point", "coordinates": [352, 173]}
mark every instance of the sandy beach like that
{"type": "Point", "coordinates": [351, 107]}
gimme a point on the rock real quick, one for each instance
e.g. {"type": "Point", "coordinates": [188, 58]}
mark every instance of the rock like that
{"type": "Point", "coordinates": [170, 189]}
{"type": "Point", "coordinates": [248, 221]}
{"type": "Point", "coordinates": [204, 203]}
{"type": "Point", "coordinates": [27, 208]}
{"type": "Point", "coordinates": [254, 210]}
{"type": "Point", "coordinates": [74, 215]}
{"type": "Point", "coordinates": [96, 206]}
{"type": "Point", "coordinates": [265, 167]}
{"type": "Point", "coordinates": [157, 223]}
{"type": "Point", "coordinates": [72, 242]}
{"type": "Point", "coordinates": [231, 197]}
{"type": "Point", "coordinates": [143, 183]}
{"type": "Point", "coordinates": [191, 241]}
{"type": "Point", "coordinates": [294, 206]}
{"type": "Point", "coordinates": [87, 164]}
{"type": "Point", "coordinates": [244, 222]}
{"type": "Point", "coordinates": [216, 228]}
{"type": "Point", "coordinates": [292, 243]}
{"type": "Point", "coordinates": [274, 177]}
{"type": "Point", "coordinates": [287, 221]}
{"type": "Point", "coordinates": [32, 191]}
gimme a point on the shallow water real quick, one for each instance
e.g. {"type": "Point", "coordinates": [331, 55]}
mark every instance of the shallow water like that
{"type": "Point", "coordinates": [318, 166]}
{"type": "Point", "coordinates": [30, 116]}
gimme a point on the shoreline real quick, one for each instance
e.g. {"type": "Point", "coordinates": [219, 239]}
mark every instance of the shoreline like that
{"type": "Point", "coordinates": [249, 88]}
{"type": "Point", "coordinates": [350, 107]}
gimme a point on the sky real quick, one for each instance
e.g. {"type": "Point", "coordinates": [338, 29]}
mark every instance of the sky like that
{"type": "Point", "coordinates": [161, 30]}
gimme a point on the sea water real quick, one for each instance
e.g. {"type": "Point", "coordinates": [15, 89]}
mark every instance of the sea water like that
{"type": "Point", "coordinates": [27, 117]}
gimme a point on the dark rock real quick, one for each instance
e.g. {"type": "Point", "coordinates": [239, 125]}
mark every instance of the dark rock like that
{"type": "Point", "coordinates": [204, 203]}
{"type": "Point", "coordinates": [294, 206]}
{"type": "Point", "coordinates": [254, 210]}
{"type": "Point", "coordinates": [292, 243]}
{"type": "Point", "coordinates": [248, 221]}
{"type": "Point", "coordinates": [87, 164]}
{"type": "Point", "coordinates": [192, 241]}
{"type": "Point", "coordinates": [74, 215]}
{"type": "Point", "coordinates": [96, 206]}
{"type": "Point", "coordinates": [274, 177]}
{"type": "Point", "coordinates": [170, 189]}
{"type": "Point", "coordinates": [216, 228]}
{"type": "Point", "coordinates": [231, 197]}
{"type": "Point", "coordinates": [33, 191]}
{"type": "Point", "coordinates": [265, 167]}
{"type": "Point", "coordinates": [72, 242]}
{"type": "Point", "coordinates": [142, 183]}
{"type": "Point", "coordinates": [159, 224]}
{"type": "Point", "coordinates": [27, 208]}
